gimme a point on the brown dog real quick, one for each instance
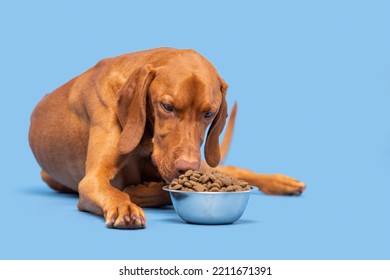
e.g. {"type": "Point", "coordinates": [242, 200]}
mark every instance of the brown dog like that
{"type": "Point", "coordinates": [139, 117]}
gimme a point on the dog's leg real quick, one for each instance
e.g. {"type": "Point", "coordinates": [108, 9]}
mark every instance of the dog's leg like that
{"type": "Point", "coordinates": [275, 184]}
{"type": "Point", "coordinates": [54, 184]}
{"type": "Point", "coordinates": [149, 194]}
{"type": "Point", "coordinates": [103, 163]}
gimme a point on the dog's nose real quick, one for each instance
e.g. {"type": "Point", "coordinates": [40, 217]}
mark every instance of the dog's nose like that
{"type": "Point", "coordinates": [183, 164]}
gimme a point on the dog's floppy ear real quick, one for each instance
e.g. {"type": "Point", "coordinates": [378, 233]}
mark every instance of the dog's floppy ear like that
{"type": "Point", "coordinates": [212, 150]}
{"type": "Point", "coordinates": [131, 108]}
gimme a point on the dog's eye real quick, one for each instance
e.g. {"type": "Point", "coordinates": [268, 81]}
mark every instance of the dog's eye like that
{"type": "Point", "coordinates": [168, 107]}
{"type": "Point", "coordinates": [208, 115]}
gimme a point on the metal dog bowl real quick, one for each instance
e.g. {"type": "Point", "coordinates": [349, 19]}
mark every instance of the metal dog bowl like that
{"type": "Point", "coordinates": [209, 208]}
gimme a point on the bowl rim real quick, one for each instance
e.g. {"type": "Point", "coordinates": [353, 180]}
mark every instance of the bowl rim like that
{"type": "Point", "coordinates": [165, 188]}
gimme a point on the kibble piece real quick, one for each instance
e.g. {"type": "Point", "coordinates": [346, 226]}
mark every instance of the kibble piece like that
{"type": "Point", "coordinates": [230, 189]}
{"type": "Point", "coordinates": [214, 185]}
{"type": "Point", "coordinates": [196, 175]}
{"type": "Point", "coordinates": [214, 189]}
{"type": "Point", "coordinates": [199, 188]}
{"type": "Point", "coordinates": [242, 183]}
{"type": "Point", "coordinates": [204, 178]}
{"type": "Point", "coordinates": [228, 181]}
{"type": "Point", "coordinates": [175, 181]}
{"type": "Point", "coordinates": [194, 183]}
{"type": "Point", "coordinates": [180, 181]}
{"type": "Point", "coordinates": [188, 173]}
{"type": "Point", "coordinates": [212, 177]}
{"type": "Point", "coordinates": [176, 187]}
{"type": "Point", "coordinates": [187, 184]}
{"type": "Point", "coordinates": [219, 182]}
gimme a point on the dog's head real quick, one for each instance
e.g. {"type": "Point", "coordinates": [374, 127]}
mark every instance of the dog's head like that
{"type": "Point", "coordinates": [181, 95]}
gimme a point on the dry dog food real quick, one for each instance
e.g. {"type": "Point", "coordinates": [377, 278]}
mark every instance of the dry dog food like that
{"type": "Point", "coordinates": [211, 181]}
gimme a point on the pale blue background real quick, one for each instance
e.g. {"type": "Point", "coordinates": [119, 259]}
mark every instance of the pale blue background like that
{"type": "Point", "coordinates": [312, 79]}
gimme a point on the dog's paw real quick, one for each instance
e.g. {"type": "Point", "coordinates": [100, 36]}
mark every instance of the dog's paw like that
{"type": "Point", "coordinates": [126, 216]}
{"type": "Point", "coordinates": [279, 184]}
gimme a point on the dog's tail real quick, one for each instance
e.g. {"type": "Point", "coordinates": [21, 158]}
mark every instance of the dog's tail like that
{"type": "Point", "coordinates": [227, 138]}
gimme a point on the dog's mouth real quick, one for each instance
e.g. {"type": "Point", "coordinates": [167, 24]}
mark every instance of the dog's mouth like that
{"type": "Point", "coordinates": [167, 179]}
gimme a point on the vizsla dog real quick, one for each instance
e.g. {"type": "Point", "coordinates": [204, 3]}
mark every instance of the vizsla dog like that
{"type": "Point", "coordinates": [136, 118]}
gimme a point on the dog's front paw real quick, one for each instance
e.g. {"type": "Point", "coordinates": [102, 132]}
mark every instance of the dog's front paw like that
{"type": "Point", "coordinates": [126, 216]}
{"type": "Point", "coordinates": [278, 184]}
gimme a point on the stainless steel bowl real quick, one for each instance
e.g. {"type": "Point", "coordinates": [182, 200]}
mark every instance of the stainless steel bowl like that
{"type": "Point", "coordinates": [209, 208]}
